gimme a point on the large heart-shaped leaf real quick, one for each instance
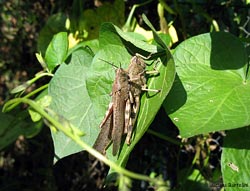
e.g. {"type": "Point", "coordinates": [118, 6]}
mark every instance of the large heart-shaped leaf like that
{"type": "Point", "coordinates": [211, 92]}
{"type": "Point", "coordinates": [70, 99]}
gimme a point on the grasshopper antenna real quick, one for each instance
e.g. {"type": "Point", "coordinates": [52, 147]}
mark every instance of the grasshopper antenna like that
{"type": "Point", "coordinates": [109, 63]}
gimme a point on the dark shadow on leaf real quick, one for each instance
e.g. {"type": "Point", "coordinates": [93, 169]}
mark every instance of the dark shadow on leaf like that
{"type": "Point", "coordinates": [176, 97]}
{"type": "Point", "coordinates": [132, 49]}
{"type": "Point", "coordinates": [165, 55]}
{"type": "Point", "coordinates": [237, 138]}
{"type": "Point", "coordinates": [227, 52]}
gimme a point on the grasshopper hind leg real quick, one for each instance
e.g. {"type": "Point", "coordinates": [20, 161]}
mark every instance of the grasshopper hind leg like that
{"type": "Point", "coordinates": [132, 120]}
{"type": "Point", "coordinates": [127, 115]}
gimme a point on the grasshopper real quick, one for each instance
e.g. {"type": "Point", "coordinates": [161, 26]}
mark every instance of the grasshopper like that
{"type": "Point", "coordinates": [137, 83]}
{"type": "Point", "coordinates": [121, 102]}
{"type": "Point", "coordinates": [114, 122]}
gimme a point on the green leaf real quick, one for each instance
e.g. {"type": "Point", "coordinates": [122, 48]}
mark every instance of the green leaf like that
{"type": "Point", "coordinates": [57, 50]}
{"type": "Point", "coordinates": [91, 46]}
{"type": "Point", "coordinates": [70, 100]}
{"type": "Point", "coordinates": [120, 38]}
{"type": "Point", "coordinates": [235, 159]}
{"type": "Point", "coordinates": [20, 88]}
{"type": "Point", "coordinates": [133, 44]}
{"type": "Point", "coordinates": [210, 92]}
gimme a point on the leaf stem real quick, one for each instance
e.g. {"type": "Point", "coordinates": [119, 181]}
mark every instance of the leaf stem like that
{"type": "Point", "coordinates": [36, 91]}
{"type": "Point", "coordinates": [38, 76]}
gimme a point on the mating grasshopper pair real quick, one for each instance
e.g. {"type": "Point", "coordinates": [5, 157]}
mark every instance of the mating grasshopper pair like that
{"type": "Point", "coordinates": [123, 109]}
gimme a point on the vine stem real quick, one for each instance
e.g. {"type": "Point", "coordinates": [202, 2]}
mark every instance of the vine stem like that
{"type": "Point", "coordinates": [14, 102]}
{"type": "Point", "coordinates": [70, 133]}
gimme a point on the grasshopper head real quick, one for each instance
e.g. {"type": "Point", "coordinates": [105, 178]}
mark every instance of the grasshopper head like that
{"type": "Point", "coordinates": [137, 65]}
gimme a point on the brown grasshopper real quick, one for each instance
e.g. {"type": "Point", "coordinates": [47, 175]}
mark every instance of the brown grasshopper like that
{"type": "Point", "coordinates": [121, 102]}
{"type": "Point", "coordinates": [114, 122]}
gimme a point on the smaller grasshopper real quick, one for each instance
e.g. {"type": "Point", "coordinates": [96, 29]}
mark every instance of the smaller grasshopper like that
{"type": "Point", "coordinates": [138, 83]}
